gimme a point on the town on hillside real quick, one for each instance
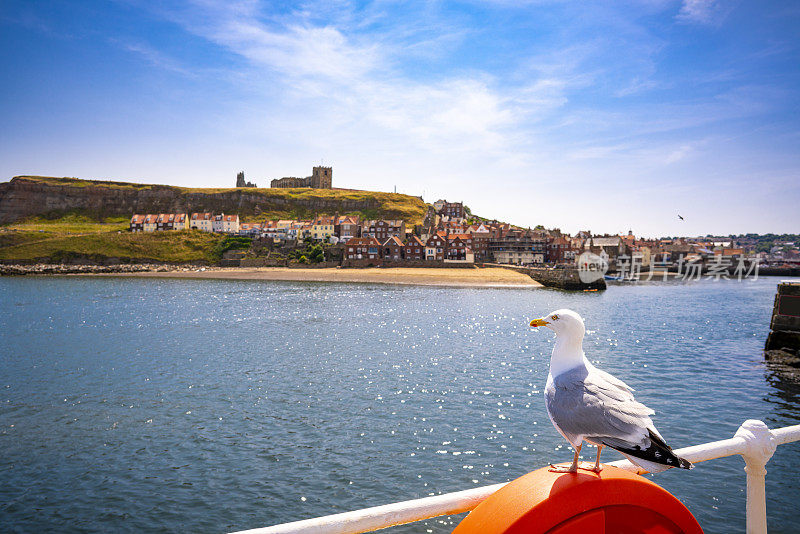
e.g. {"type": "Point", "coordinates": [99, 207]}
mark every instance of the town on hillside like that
{"type": "Point", "coordinates": [451, 235]}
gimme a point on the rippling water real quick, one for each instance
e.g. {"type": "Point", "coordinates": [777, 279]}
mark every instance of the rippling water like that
{"type": "Point", "coordinates": [164, 405]}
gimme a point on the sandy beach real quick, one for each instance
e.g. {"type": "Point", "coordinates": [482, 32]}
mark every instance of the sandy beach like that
{"type": "Point", "coordinates": [488, 277]}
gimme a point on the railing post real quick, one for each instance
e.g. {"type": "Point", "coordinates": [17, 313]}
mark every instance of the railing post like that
{"type": "Point", "coordinates": [760, 446]}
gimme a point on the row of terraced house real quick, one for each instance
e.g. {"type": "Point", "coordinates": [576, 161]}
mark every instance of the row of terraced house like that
{"type": "Point", "coordinates": [207, 222]}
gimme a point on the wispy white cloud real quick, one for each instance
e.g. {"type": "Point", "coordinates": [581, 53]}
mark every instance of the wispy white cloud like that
{"type": "Point", "coordinates": [701, 12]}
{"type": "Point", "coordinates": [155, 57]}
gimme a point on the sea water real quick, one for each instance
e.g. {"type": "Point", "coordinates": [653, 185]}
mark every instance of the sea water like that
{"type": "Point", "coordinates": [132, 405]}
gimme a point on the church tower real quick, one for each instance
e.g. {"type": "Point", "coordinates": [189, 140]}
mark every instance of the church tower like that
{"type": "Point", "coordinates": [322, 178]}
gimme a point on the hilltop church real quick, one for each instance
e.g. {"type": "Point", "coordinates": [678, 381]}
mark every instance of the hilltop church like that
{"type": "Point", "coordinates": [321, 178]}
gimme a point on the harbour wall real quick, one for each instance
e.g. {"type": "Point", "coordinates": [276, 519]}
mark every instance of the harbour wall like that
{"type": "Point", "coordinates": [566, 278]}
{"type": "Point", "coordinates": [785, 323]}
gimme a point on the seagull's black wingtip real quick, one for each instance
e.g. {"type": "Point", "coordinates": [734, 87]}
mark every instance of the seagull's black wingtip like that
{"type": "Point", "coordinates": [684, 464]}
{"type": "Point", "coordinates": [658, 452]}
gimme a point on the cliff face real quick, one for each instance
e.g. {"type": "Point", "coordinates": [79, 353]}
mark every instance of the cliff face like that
{"type": "Point", "coordinates": [26, 196]}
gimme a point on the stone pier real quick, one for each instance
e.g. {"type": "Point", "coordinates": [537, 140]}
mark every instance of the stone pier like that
{"type": "Point", "coordinates": [566, 278]}
{"type": "Point", "coordinates": [785, 324]}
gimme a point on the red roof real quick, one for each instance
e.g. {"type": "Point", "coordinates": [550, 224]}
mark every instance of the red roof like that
{"type": "Point", "coordinates": [394, 240]}
{"type": "Point", "coordinates": [450, 237]}
{"type": "Point", "coordinates": [347, 220]}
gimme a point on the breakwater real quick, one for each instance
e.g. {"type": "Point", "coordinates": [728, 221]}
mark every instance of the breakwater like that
{"type": "Point", "coordinates": [785, 323]}
{"type": "Point", "coordinates": [566, 278]}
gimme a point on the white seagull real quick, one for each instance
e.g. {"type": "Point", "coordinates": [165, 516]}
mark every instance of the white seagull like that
{"type": "Point", "coordinates": [585, 403]}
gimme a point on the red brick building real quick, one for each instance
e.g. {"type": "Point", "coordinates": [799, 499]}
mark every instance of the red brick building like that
{"type": "Point", "coordinates": [453, 210]}
{"type": "Point", "coordinates": [415, 249]}
{"type": "Point", "coordinates": [360, 248]}
{"type": "Point", "coordinates": [480, 241]}
{"type": "Point", "coordinates": [137, 223]}
{"type": "Point", "coordinates": [384, 229]}
{"type": "Point", "coordinates": [456, 248]}
{"type": "Point", "coordinates": [393, 249]}
{"type": "Point", "coordinates": [347, 228]}
{"type": "Point", "coordinates": [557, 250]}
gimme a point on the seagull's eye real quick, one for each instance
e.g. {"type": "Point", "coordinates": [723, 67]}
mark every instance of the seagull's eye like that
{"type": "Point", "coordinates": [554, 317]}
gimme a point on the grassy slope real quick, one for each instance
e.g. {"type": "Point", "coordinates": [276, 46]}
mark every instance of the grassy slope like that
{"type": "Point", "coordinates": [73, 236]}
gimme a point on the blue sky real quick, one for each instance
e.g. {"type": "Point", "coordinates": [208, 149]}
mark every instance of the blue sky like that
{"type": "Point", "coordinates": [606, 116]}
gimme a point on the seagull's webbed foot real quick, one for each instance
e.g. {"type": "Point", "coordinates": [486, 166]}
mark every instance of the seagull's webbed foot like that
{"type": "Point", "coordinates": [591, 467]}
{"type": "Point", "coordinates": [564, 469]}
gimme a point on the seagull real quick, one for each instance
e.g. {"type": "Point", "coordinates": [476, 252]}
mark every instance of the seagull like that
{"type": "Point", "coordinates": [585, 403]}
{"type": "Point", "coordinates": [679, 216]}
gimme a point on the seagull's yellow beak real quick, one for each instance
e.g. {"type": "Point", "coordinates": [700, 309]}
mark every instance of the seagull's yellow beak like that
{"type": "Point", "coordinates": [539, 322]}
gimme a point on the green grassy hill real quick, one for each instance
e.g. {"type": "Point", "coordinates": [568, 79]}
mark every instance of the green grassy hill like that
{"type": "Point", "coordinates": [58, 220]}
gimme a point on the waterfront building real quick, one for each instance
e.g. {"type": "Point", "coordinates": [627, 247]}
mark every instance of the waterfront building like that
{"type": "Point", "coordinates": [284, 224]}
{"type": "Point", "coordinates": [251, 230]}
{"type": "Point", "coordinates": [272, 230]}
{"type": "Point", "coordinates": [346, 228]}
{"type": "Point", "coordinates": [150, 222]}
{"type": "Point", "coordinates": [180, 221]}
{"type": "Point", "coordinates": [557, 248]}
{"type": "Point", "coordinates": [228, 224]}
{"type": "Point", "coordinates": [384, 229]}
{"type": "Point", "coordinates": [163, 222]}
{"type": "Point", "coordinates": [293, 229]}
{"type": "Point", "coordinates": [323, 228]}
{"type": "Point", "coordinates": [202, 221]}
{"type": "Point", "coordinates": [456, 249]}
{"type": "Point", "coordinates": [464, 238]}
{"type": "Point", "coordinates": [137, 223]}
{"type": "Point", "coordinates": [414, 249]}
{"type": "Point", "coordinates": [434, 248]}
{"type": "Point", "coordinates": [612, 246]}
{"type": "Point", "coordinates": [518, 247]}
{"type": "Point", "coordinates": [392, 249]}
{"type": "Point", "coordinates": [362, 248]}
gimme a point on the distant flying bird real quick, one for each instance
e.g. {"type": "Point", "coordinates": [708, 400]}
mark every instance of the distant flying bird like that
{"type": "Point", "coordinates": [679, 216]}
{"type": "Point", "coordinates": [585, 403]}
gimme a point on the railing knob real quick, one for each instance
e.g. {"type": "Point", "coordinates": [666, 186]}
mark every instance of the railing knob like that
{"type": "Point", "coordinates": [760, 442]}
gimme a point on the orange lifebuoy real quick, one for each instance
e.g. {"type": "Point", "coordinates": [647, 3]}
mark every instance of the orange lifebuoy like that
{"type": "Point", "coordinates": [612, 501]}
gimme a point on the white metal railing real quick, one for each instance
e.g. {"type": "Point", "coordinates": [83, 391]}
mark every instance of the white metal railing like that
{"type": "Point", "coordinates": [753, 440]}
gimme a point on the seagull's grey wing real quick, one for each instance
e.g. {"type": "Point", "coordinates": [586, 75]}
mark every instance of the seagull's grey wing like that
{"type": "Point", "coordinates": [585, 403]}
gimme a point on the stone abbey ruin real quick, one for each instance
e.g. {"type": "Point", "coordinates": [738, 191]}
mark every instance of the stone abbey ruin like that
{"type": "Point", "coordinates": [321, 178]}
